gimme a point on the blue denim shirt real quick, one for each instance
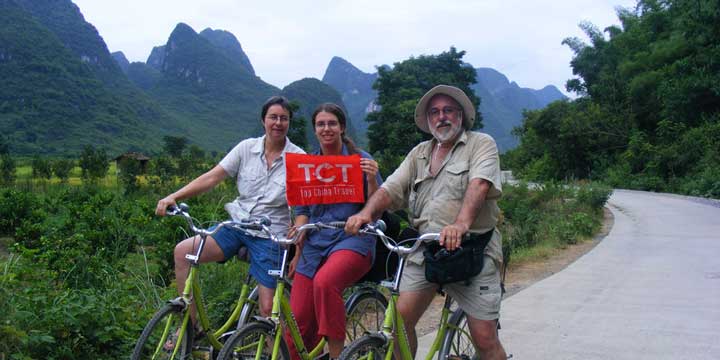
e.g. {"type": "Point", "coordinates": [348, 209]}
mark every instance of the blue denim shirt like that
{"type": "Point", "coordinates": [320, 244]}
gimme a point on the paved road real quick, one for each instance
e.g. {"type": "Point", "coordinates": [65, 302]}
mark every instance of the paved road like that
{"type": "Point", "coordinates": [649, 290]}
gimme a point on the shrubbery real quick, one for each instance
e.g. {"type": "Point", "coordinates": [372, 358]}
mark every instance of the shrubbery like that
{"type": "Point", "coordinates": [89, 267]}
{"type": "Point", "coordinates": [551, 213]}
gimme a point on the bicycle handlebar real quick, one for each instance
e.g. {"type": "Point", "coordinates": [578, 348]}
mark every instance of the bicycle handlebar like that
{"type": "Point", "coordinates": [261, 223]}
{"type": "Point", "coordinates": [372, 229]}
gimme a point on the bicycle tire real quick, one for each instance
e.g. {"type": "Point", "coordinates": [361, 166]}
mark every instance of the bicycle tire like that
{"type": "Point", "coordinates": [365, 314]}
{"type": "Point", "coordinates": [245, 342]}
{"type": "Point", "coordinates": [151, 342]}
{"type": "Point", "coordinates": [458, 343]}
{"type": "Point", "coordinates": [365, 348]}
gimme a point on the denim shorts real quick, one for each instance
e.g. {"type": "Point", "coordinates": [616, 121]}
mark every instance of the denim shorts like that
{"type": "Point", "coordinates": [264, 254]}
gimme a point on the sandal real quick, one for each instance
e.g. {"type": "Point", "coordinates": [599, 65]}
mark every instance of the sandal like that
{"type": "Point", "coordinates": [169, 345]}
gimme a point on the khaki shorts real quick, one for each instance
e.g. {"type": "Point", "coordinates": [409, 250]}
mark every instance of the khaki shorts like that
{"type": "Point", "coordinates": [480, 299]}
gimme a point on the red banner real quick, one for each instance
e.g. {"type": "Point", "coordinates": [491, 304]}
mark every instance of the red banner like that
{"type": "Point", "coordinates": [316, 179]}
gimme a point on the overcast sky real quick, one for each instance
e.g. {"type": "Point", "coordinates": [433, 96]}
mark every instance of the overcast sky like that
{"type": "Point", "coordinates": [290, 40]}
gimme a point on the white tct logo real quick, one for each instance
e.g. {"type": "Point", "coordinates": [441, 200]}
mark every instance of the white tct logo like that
{"type": "Point", "coordinates": [321, 167]}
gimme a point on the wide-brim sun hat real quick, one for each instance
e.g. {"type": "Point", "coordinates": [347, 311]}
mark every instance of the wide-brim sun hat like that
{"type": "Point", "coordinates": [468, 108]}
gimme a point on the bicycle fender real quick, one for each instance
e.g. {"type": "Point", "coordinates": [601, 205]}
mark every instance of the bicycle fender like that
{"type": "Point", "coordinates": [264, 320]}
{"type": "Point", "coordinates": [179, 301]}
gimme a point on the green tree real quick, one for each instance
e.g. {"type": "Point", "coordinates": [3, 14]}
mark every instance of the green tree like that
{"type": "Point", "coordinates": [649, 106]}
{"type": "Point", "coordinates": [7, 169]}
{"type": "Point", "coordinates": [296, 133]}
{"type": "Point", "coordinates": [175, 145]}
{"type": "Point", "coordinates": [41, 168]}
{"type": "Point", "coordinates": [128, 171]}
{"type": "Point", "coordinates": [392, 132]}
{"type": "Point", "coordinates": [93, 163]}
{"type": "Point", "coordinates": [62, 168]}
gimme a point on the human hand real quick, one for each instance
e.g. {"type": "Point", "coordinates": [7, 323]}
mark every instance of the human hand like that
{"type": "Point", "coordinates": [353, 223]}
{"type": "Point", "coordinates": [293, 266]}
{"type": "Point", "coordinates": [295, 232]}
{"type": "Point", "coordinates": [164, 204]}
{"type": "Point", "coordinates": [369, 167]}
{"type": "Point", "coordinates": [451, 236]}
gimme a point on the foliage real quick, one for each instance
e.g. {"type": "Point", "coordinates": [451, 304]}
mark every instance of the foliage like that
{"type": "Point", "coordinates": [298, 124]}
{"type": "Point", "coordinates": [128, 172]}
{"type": "Point", "coordinates": [62, 168]}
{"type": "Point", "coordinates": [41, 168]}
{"type": "Point", "coordinates": [65, 91]}
{"type": "Point", "coordinates": [174, 145]}
{"type": "Point", "coordinates": [552, 213]}
{"type": "Point", "coordinates": [93, 163]}
{"type": "Point", "coordinates": [649, 112]}
{"type": "Point", "coordinates": [97, 263]}
{"type": "Point", "coordinates": [392, 132]}
{"type": "Point", "coordinates": [7, 169]}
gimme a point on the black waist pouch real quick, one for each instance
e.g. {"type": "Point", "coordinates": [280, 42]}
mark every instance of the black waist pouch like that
{"type": "Point", "coordinates": [444, 267]}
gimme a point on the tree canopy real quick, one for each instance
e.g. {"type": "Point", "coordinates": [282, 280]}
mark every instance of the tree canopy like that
{"type": "Point", "coordinates": [648, 107]}
{"type": "Point", "coordinates": [392, 132]}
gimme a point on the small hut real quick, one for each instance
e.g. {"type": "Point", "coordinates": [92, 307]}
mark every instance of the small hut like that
{"type": "Point", "coordinates": [133, 156]}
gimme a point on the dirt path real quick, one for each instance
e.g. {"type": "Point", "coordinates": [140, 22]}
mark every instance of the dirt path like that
{"type": "Point", "coordinates": [522, 275]}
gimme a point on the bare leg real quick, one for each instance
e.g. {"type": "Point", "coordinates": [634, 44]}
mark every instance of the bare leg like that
{"type": "Point", "coordinates": [211, 252]}
{"type": "Point", "coordinates": [265, 297]}
{"type": "Point", "coordinates": [484, 334]}
{"type": "Point", "coordinates": [411, 305]}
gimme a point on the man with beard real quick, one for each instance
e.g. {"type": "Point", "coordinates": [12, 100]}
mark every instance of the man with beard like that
{"type": "Point", "coordinates": [451, 185]}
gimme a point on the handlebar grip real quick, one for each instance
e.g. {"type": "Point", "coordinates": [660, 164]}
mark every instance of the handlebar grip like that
{"type": "Point", "coordinates": [252, 226]}
{"type": "Point", "coordinates": [337, 224]}
{"type": "Point", "coordinates": [380, 225]}
{"type": "Point", "coordinates": [180, 208]}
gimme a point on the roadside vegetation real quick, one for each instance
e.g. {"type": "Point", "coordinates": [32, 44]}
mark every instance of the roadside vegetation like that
{"type": "Point", "coordinates": [86, 262]}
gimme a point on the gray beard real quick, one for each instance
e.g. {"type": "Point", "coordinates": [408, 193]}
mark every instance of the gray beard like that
{"type": "Point", "coordinates": [445, 136]}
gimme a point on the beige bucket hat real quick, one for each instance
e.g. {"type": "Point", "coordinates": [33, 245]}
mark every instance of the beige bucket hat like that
{"type": "Point", "coordinates": [451, 91]}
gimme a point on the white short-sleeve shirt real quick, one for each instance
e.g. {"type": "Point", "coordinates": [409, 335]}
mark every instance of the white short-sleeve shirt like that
{"type": "Point", "coordinates": [262, 190]}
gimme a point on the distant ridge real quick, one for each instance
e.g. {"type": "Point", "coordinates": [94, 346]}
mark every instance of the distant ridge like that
{"type": "Point", "coordinates": [502, 101]}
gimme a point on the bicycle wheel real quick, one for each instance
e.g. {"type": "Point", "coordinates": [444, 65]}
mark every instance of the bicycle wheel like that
{"type": "Point", "coordinates": [251, 340]}
{"type": "Point", "coordinates": [365, 314]}
{"type": "Point", "coordinates": [365, 348]}
{"type": "Point", "coordinates": [458, 344]}
{"type": "Point", "coordinates": [158, 337]}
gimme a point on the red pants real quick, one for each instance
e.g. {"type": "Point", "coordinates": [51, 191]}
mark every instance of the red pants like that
{"type": "Point", "coordinates": [317, 303]}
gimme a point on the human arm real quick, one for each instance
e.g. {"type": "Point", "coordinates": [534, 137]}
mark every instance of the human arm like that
{"type": "Point", "coordinates": [200, 185]}
{"type": "Point", "coordinates": [451, 235]}
{"type": "Point", "coordinates": [373, 209]}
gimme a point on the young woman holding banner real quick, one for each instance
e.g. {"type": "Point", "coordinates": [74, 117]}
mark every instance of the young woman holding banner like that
{"type": "Point", "coordinates": [329, 261]}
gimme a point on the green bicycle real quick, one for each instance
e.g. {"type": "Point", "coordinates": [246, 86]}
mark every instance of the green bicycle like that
{"type": "Point", "coordinates": [263, 338]}
{"type": "Point", "coordinates": [452, 340]}
{"type": "Point", "coordinates": [170, 334]}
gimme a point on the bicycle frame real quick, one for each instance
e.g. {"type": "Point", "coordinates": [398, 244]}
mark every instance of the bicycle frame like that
{"type": "Point", "coordinates": [393, 324]}
{"type": "Point", "coordinates": [192, 291]}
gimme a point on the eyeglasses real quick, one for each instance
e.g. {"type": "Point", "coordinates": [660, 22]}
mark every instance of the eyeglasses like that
{"type": "Point", "coordinates": [448, 111]}
{"type": "Point", "coordinates": [330, 124]}
{"type": "Point", "coordinates": [275, 117]}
